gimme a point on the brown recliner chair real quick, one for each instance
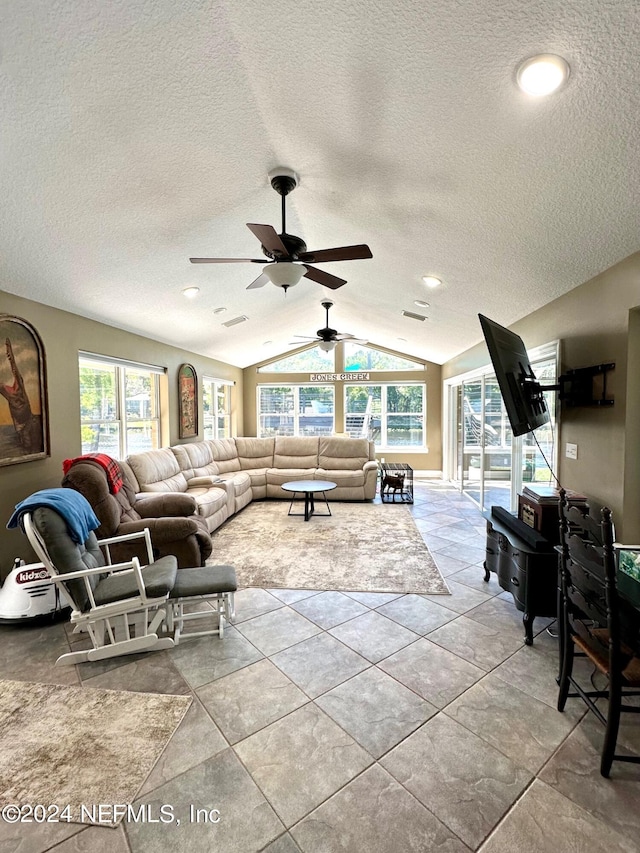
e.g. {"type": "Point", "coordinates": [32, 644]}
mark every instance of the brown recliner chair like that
{"type": "Point", "coordinates": [174, 526]}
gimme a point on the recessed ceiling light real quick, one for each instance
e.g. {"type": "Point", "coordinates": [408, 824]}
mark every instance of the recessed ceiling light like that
{"type": "Point", "coordinates": [420, 303]}
{"type": "Point", "coordinates": [219, 310]}
{"type": "Point", "coordinates": [542, 75]}
{"type": "Point", "coordinates": [431, 280]}
{"type": "Point", "coordinates": [190, 292]}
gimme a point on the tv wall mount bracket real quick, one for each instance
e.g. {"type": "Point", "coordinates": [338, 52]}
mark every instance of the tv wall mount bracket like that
{"type": "Point", "coordinates": [575, 387]}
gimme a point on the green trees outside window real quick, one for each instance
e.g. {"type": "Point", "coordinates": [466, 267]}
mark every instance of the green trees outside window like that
{"type": "Point", "coordinates": [119, 408]}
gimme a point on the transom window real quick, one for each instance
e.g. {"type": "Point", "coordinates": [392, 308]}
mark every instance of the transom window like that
{"type": "Point", "coordinates": [119, 406]}
{"type": "Point", "coordinates": [390, 415]}
{"type": "Point", "coordinates": [216, 407]}
{"type": "Point", "coordinates": [295, 410]}
{"type": "Point", "coordinates": [359, 357]}
{"type": "Point", "coordinates": [313, 360]}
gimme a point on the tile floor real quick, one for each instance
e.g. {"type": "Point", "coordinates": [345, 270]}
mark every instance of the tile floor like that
{"type": "Point", "coordinates": [365, 723]}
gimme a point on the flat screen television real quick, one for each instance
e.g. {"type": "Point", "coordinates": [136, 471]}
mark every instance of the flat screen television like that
{"type": "Point", "coordinates": [521, 392]}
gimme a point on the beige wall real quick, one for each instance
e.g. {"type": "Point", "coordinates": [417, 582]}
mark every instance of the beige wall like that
{"type": "Point", "coordinates": [596, 322]}
{"type": "Point", "coordinates": [430, 460]}
{"type": "Point", "coordinates": [593, 324]}
{"type": "Point", "coordinates": [63, 335]}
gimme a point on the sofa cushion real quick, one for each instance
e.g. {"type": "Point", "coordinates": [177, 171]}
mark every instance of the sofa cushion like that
{"type": "Point", "coordinates": [195, 459]}
{"type": "Point", "coordinates": [225, 454]}
{"type": "Point", "coordinates": [159, 578]}
{"type": "Point", "coordinates": [89, 478]}
{"type": "Point", "coordinates": [347, 478]}
{"type": "Point", "coordinates": [295, 452]}
{"type": "Point", "coordinates": [278, 476]}
{"type": "Point", "coordinates": [158, 471]}
{"type": "Point", "coordinates": [337, 453]}
{"type": "Point", "coordinates": [130, 483]}
{"type": "Point", "coordinates": [66, 555]}
{"type": "Point", "coordinates": [208, 580]}
{"type": "Point", "coordinates": [258, 476]}
{"type": "Point", "coordinates": [255, 452]}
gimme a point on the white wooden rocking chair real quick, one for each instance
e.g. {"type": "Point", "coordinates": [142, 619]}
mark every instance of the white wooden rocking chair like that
{"type": "Point", "coordinates": [125, 607]}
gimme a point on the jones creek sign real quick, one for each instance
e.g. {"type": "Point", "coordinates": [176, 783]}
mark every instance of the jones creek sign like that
{"type": "Point", "coordinates": [338, 377]}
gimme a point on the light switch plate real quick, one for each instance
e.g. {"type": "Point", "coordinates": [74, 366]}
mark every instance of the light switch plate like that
{"type": "Point", "coordinates": [571, 451]}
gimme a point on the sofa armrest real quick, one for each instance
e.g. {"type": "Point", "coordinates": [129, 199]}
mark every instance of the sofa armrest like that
{"type": "Point", "coordinates": [368, 466]}
{"type": "Point", "coordinates": [163, 530]}
{"type": "Point", "coordinates": [162, 505]}
{"type": "Point", "coordinates": [209, 480]}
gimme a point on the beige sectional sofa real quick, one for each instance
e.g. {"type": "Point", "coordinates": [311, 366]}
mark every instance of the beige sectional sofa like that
{"type": "Point", "coordinates": [224, 475]}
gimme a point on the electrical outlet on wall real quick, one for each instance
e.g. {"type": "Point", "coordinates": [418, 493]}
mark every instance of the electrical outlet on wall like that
{"type": "Point", "coordinates": [571, 451]}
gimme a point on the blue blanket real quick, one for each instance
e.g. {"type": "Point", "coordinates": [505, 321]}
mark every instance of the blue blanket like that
{"type": "Point", "coordinates": [71, 505]}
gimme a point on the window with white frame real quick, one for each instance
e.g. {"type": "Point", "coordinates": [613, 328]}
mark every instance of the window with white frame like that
{"type": "Point", "coordinates": [391, 415]}
{"type": "Point", "coordinates": [295, 410]}
{"type": "Point", "coordinates": [119, 406]}
{"type": "Point", "coordinates": [216, 407]}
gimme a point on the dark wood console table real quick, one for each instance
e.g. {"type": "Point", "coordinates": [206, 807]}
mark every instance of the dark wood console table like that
{"type": "Point", "coordinates": [530, 576]}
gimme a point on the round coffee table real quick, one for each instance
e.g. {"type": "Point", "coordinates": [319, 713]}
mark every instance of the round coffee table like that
{"type": "Point", "coordinates": [309, 488]}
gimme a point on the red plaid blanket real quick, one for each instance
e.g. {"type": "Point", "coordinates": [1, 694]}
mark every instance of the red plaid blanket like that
{"type": "Point", "coordinates": [111, 466]}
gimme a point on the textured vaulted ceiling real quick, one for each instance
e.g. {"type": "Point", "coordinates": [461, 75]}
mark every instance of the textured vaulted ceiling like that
{"type": "Point", "coordinates": [137, 133]}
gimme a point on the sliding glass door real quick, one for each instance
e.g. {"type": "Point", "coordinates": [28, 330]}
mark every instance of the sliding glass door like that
{"type": "Point", "coordinates": [472, 435]}
{"type": "Point", "coordinates": [498, 448]}
{"type": "Point", "coordinates": [481, 454]}
{"type": "Point", "coordinates": [484, 442]}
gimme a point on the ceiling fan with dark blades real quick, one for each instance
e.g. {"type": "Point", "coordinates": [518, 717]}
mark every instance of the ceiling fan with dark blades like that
{"type": "Point", "coordinates": [327, 338]}
{"type": "Point", "coordinates": [290, 260]}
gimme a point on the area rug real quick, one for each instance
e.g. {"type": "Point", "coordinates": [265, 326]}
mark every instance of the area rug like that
{"type": "Point", "coordinates": [361, 547]}
{"type": "Point", "coordinates": [81, 747]}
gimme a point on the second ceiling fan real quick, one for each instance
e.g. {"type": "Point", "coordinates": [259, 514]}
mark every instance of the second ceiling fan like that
{"type": "Point", "coordinates": [327, 338]}
{"type": "Point", "coordinates": [290, 260]}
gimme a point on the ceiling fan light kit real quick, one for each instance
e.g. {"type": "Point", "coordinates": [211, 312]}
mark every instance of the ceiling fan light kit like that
{"type": "Point", "coordinates": [284, 249]}
{"type": "Point", "coordinates": [327, 346]}
{"type": "Point", "coordinates": [284, 274]}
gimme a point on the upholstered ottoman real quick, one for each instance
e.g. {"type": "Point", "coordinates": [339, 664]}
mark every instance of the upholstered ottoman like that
{"type": "Point", "coordinates": [214, 585]}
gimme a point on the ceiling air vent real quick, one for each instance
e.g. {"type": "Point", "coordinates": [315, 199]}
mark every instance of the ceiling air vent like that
{"type": "Point", "coordinates": [413, 316]}
{"type": "Point", "coordinates": [236, 320]}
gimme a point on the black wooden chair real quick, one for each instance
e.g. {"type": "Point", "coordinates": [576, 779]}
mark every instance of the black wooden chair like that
{"type": "Point", "coordinates": [596, 623]}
